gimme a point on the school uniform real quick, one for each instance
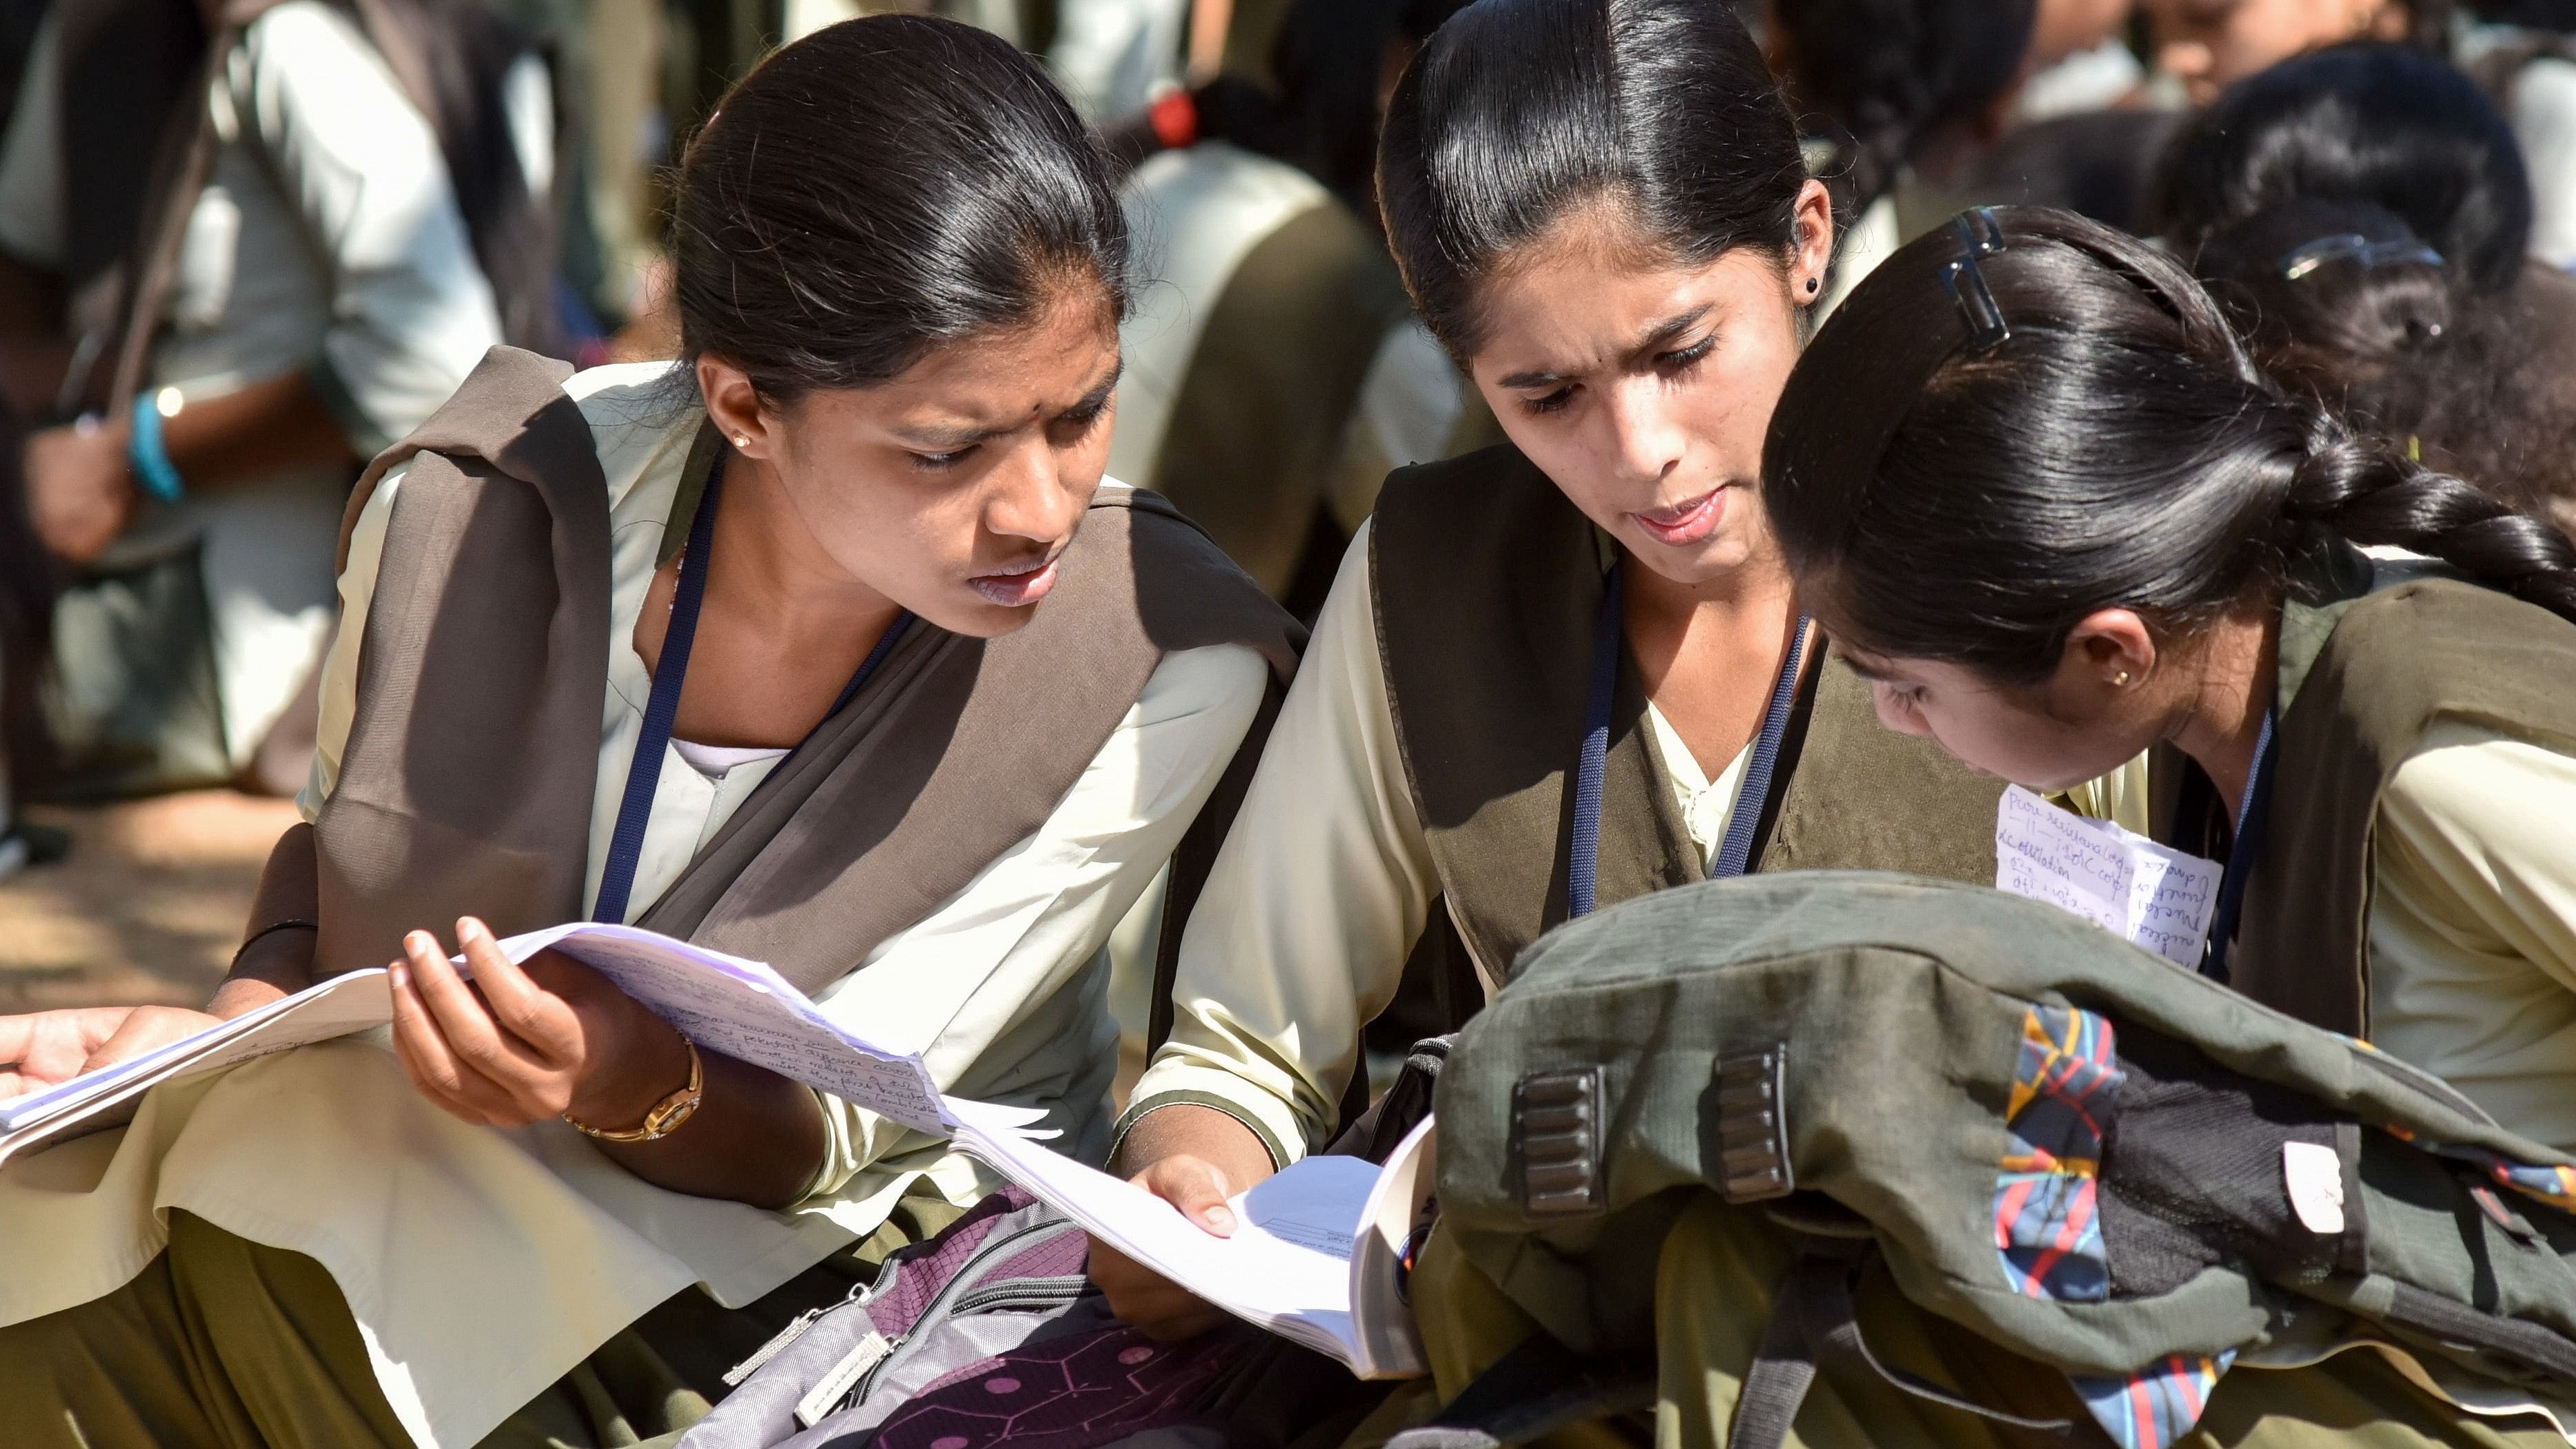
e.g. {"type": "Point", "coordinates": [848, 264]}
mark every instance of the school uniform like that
{"type": "Point", "coordinates": [2413, 882]}
{"type": "Point", "coordinates": [1419, 797]}
{"type": "Point", "coordinates": [938, 865]}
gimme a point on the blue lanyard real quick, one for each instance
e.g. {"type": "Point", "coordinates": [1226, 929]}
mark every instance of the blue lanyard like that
{"type": "Point", "coordinates": [1735, 853]}
{"type": "Point", "coordinates": [644, 771]}
{"type": "Point", "coordinates": [2251, 817]}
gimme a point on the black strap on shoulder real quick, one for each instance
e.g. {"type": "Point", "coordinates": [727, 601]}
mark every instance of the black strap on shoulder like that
{"type": "Point", "coordinates": [1536, 1389]}
{"type": "Point", "coordinates": [1814, 1324]}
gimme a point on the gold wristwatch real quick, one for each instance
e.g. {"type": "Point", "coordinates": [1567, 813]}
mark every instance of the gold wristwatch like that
{"type": "Point", "coordinates": [666, 1115]}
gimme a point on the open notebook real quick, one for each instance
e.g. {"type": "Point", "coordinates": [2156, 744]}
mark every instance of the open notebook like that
{"type": "Point", "coordinates": [1317, 1260]}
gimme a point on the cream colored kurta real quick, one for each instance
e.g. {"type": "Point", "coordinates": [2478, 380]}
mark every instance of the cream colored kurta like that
{"type": "Point", "coordinates": [482, 1265]}
{"type": "Point", "coordinates": [1301, 934]}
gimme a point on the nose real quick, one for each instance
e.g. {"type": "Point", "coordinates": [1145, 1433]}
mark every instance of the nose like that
{"type": "Point", "coordinates": [1030, 496]}
{"type": "Point", "coordinates": [1647, 439]}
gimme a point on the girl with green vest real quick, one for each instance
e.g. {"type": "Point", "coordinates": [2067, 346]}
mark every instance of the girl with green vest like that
{"type": "Point", "coordinates": [2034, 486]}
{"type": "Point", "coordinates": [828, 646]}
{"type": "Point", "coordinates": [1565, 671]}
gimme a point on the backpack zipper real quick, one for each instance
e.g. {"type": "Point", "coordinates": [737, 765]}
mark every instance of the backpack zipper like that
{"type": "Point", "coordinates": [1026, 1294]}
{"type": "Point", "coordinates": [950, 1300]}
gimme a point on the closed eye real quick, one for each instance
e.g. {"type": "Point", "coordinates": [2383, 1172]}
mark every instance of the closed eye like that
{"type": "Point", "coordinates": [941, 462]}
{"type": "Point", "coordinates": [1682, 359]}
{"type": "Point", "coordinates": [1551, 402]}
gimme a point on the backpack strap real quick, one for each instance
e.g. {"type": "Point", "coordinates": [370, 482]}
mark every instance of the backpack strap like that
{"type": "Point", "coordinates": [1534, 1390]}
{"type": "Point", "coordinates": [1814, 1324]}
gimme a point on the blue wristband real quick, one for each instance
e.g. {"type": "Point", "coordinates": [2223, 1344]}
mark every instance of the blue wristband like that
{"type": "Point", "coordinates": [150, 459]}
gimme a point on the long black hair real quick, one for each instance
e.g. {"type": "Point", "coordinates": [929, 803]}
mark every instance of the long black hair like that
{"type": "Point", "coordinates": [2384, 124]}
{"type": "Point", "coordinates": [1884, 75]}
{"type": "Point", "coordinates": [2029, 416]}
{"type": "Point", "coordinates": [1519, 112]}
{"type": "Point", "coordinates": [2342, 302]}
{"type": "Point", "coordinates": [881, 187]}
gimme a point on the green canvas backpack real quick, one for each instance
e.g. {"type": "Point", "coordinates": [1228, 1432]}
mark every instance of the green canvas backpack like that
{"type": "Point", "coordinates": [2091, 1157]}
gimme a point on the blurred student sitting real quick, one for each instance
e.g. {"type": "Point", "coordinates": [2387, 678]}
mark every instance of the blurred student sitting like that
{"type": "Point", "coordinates": [246, 245]}
{"type": "Point", "coordinates": [2374, 254]}
{"type": "Point", "coordinates": [1274, 372]}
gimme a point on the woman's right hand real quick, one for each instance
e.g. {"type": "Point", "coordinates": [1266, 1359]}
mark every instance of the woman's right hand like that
{"type": "Point", "coordinates": [47, 1048]}
{"type": "Point", "coordinates": [1196, 1158]}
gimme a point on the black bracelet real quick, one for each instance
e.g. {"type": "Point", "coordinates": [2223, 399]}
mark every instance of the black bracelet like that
{"type": "Point", "coordinates": [263, 933]}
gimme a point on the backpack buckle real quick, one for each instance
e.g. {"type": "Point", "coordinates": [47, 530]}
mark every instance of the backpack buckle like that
{"type": "Point", "coordinates": [1556, 1125]}
{"type": "Point", "coordinates": [1753, 1127]}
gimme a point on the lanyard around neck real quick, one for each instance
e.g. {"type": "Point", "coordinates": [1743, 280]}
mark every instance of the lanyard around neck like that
{"type": "Point", "coordinates": [1735, 853]}
{"type": "Point", "coordinates": [2251, 817]}
{"type": "Point", "coordinates": [662, 708]}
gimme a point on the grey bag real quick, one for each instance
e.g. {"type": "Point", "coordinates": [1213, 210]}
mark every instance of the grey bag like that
{"type": "Point", "coordinates": [2072, 1148]}
{"type": "Point", "coordinates": [130, 699]}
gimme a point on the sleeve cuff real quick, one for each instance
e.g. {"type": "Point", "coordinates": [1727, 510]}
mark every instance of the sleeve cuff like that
{"type": "Point", "coordinates": [1183, 1084]}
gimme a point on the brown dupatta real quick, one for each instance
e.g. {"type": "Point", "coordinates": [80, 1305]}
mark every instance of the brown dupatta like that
{"type": "Point", "coordinates": [467, 781]}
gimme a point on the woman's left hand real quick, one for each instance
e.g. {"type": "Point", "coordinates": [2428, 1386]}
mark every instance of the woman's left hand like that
{"type": "Point", "coordinates": [521, 1044]}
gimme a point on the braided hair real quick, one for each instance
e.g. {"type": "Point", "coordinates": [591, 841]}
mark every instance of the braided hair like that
{"type": "Point", "coordinates": [2114, 446]}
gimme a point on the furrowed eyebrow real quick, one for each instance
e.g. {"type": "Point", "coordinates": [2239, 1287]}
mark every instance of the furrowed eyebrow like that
{"type": "Point", "coordinates": [951, 439]}
{"type": "Point", "coordinates": [1655, 339]}
{"type": "Point", "coordinates": [1664, 332]}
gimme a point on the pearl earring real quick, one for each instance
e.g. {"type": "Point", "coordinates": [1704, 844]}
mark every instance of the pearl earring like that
{"type": "Point", "coordinates": [742, 440]}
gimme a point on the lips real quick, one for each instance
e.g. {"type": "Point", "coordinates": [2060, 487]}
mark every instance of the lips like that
{"type": "Point", "coordinates": [1686, 522]}
{"type": "Point", "coordinates": [1018, 585]}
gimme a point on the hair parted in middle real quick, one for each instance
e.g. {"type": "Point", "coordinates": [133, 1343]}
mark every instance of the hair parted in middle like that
{"type": "Point", "coordinates": [2115, 446]}
{"type": "Point", "coordinates": [1518, 113]}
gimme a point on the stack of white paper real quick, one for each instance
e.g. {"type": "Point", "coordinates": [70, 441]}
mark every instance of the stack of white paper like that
{"type": "Point", "coordinates": [1314, 1258]}
{"type": "Point", "coordinates": [2151, 894]}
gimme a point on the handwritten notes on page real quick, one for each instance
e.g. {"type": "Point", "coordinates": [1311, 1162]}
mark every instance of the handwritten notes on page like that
{"type": "Point", "coordinates": [2151, 894]}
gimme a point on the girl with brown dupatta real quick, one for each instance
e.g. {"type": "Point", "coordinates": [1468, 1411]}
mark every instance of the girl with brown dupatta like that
{"type": "Point", "coordinates": [828, 647]}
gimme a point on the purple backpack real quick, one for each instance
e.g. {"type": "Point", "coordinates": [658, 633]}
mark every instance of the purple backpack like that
{"type": "Point", "coordinates": [987, 1335]}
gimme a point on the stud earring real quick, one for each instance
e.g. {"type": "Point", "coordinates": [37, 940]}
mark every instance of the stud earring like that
{"type": "Point", "coordinates": [2121, 678]}
{"type": "Point", "coordinates": [1812, 285]}
{"type": "Point", "coordinates": [742, 440]}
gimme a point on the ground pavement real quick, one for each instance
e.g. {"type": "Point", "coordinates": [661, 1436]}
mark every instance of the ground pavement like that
{"type": "Point", "coordinates": [147, 908]}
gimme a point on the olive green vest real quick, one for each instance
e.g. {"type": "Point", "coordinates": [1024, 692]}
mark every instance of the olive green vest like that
{"type": "Point", "coordinates": [2365, 674]}
{"type": "Point", "coordinates": [1487, 586]}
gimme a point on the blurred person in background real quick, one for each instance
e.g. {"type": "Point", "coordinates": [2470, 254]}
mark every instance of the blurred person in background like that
{"type": "Point", "coordinates": [2522, 52]}
{"type": "Point", "coordinates": [246, 246]}
{"type": "Point", "coordinates": [2208, 45]}
{"type": "Point", "coordinates": [2363, 215]}
{"type": "Point", "coordinates": [2079, 60]}
{"type": "Point", "coordinates": [2517, 49]}
{"type": "Point", "coordinates": [1272, 337]}
{"type": "Point", "coordinates": [1907, 92]}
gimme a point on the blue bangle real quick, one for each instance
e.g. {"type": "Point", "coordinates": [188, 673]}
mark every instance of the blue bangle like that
{"type": "Point", "coordinates": [150, 459]}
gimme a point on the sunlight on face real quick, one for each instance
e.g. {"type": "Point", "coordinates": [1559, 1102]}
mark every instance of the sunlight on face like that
{"type": "Point", "coordinates": [2211, 44]}
{"type": "Point", "coordinates": [1642, 387]}
{"type": "Point", "coordinates": [2049, 736]}
{"type": "Point", "coordinates": [952, 488]}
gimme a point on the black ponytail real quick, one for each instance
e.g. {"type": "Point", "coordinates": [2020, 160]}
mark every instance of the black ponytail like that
{"type": "Point", "coordinates": [1518, 112]}
{"type": "Point", "coordinates": [2117, 447]}
{"type": "Point", "coordinates": [2362, 489]}
{"type": "Point", "coordinates": [2379, 124]}
{"type": "Point", "coordinates": [1884, 75]}
{"type": "Point", "coordinates": [878, 188]}
{"type": "Point", "coordinates": [2343, 303]}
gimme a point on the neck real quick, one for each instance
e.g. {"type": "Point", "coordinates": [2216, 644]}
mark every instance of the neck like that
{"type": "Point", "coordinates": [771, 567]}
{"type": "Point", "coordinates": [1758, 592]}
{"type": "Point", "coordinates": [2222, 723]}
